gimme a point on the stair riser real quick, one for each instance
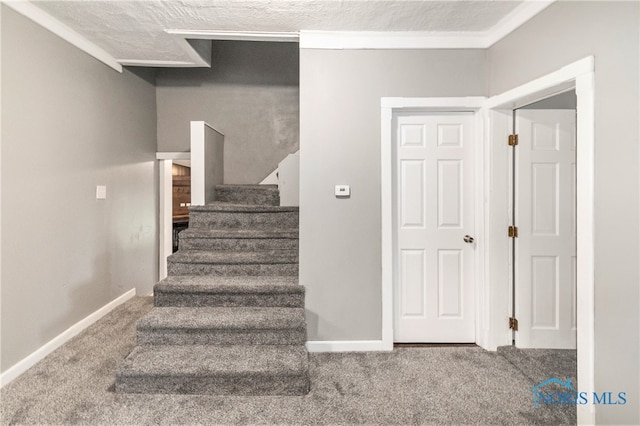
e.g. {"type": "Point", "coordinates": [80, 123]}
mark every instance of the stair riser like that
{"type": "Point", "coordinates": [245, 384]}
{"type": "Point", "coordinates": [286, 269]}
{"type": "Point", "coordinates": [248, 196]}
{"type": "Point", "coordinates": [238, 244]}
{"type": "Point", "coordinates": [243, 220]}
{"type": "Point", "coordinates": [222, 337]}
{"type": "Point", "coordinates": [228, 300]}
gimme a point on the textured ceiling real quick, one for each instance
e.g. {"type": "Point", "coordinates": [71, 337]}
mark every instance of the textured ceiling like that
{"type": "Point", "coordinates": [135, 30]}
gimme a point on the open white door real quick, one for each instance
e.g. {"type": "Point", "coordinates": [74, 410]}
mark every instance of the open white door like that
{"type": "Point", "coordinates": [545, 249]}
{"type": "Point", "coordinates": [434, 266]}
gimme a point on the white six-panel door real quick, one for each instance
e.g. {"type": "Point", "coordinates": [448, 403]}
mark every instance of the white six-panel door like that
{"type": "Point", "coordinates": [545, 250]}
{"type": "Point", "coordinates": [434, 266]}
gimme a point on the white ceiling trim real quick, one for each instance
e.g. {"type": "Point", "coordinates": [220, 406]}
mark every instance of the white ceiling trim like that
{"type": "Point", "coordinates": [307, 39]}
{"type": "Point", "coordinates": [390, 40]}
{"type": "Point", "coordinates": [515, 19]}
{"type": "Point", "coordinates": [47, 21]}
{"type": "Point", "coordinates": [42, 18]}
{"type": "Point", "coordinates": [423, 39]}
{"type": "Point", "coordinates": [236, 35]}
{"type": "Point", "coordinates": [164, 64]}
{"type": "Point", "coordinates": [199, 61]}
{"type": "Point", "coordinates": [196, 60]}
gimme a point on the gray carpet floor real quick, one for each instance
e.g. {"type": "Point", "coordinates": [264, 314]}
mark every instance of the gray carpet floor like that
{"type": "Point", "coordinates": [416, 385]}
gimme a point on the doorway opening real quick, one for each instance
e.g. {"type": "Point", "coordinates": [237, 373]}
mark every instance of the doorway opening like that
{"type": "Point", "coordinates": [166, 203]}
{"type": "Point", "coordinates": [543, 198]}
{"type": "Point", "coordinates": [494, 267]}
{"type": "Point", "coordinates": [181, 199]}
{"type": "Point", "coordinates": [499, 212]}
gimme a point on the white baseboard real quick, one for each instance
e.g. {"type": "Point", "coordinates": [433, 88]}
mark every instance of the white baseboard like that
{"type": "Point", "coordinates": [345, 346]}
{"type": "Point", "coordinates": [53, 344]}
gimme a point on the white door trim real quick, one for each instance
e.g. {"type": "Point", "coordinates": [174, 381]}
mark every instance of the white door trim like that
{"type": "Point", "coordinates": [580, 75]}
{"type": "Point", "coordinates": [492, 301]}
{"type": "Point", "coordinates": [165, 208]}
{"type": "Point", "coordinates": [388, 106]}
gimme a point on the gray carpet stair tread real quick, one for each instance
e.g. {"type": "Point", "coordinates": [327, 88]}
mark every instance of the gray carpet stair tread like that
{"type": "Point", "coordinates": [202, 360]}
{"type": "Point", "coordinates": [241, 208]}
{"type": "Point", "coordinates": [213, 284]}
{"type": "Point", "coordinates": [229, 319]}
{"type": "Point", "coordinates": [218, 290]}
{"type": "Point", "coordinates": [240, 189]}
{"type": "Point", "coordinates": [248, 194]}
{"type": "Point", "coordinates": [239, 233]}
{"type": "Point", "coordinates": [235, 257]}
{"type": "Point", "coordinates": [223, 318]}
{"type": "Point", "coordinates": [241, 186]}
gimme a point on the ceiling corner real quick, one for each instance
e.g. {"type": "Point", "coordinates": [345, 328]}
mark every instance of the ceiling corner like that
{"type": "Point", "coordinates": [45, 20]}
{"type": "Point", "coordinates": [521, 14]}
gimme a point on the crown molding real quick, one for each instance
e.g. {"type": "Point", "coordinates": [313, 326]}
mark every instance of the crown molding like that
{"type": "Point", "coordinates": [389, 40]}
{"type": "Point", "coordinates": [291, 37]}
{"type": "Point", "coordinates": [50, 23]}
{"type": "Point", "coordinates": [424, 39]}
{"type": "Point", "coordinates": [196, 59]}
{"type": "Point", "coordinates": [521, 14]}
{"type": "Point", "coordinates": [307, 39]}
{"type": "Point", "coordinates": [159, 63]}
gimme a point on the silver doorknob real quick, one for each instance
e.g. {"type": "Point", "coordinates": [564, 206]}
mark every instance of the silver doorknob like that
{"type": "Point", "coordinates": [468, 239]}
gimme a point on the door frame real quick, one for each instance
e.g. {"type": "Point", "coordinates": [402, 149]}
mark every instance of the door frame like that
{"type": "Point", "coordinates": [498, 112]}
{"type": "Point", "coordinates": [165, 209]}
{"type": "Point", "coordinates": [468, 251]}
{"type": "Point", "coordinates": [389, 106]}
{"type": "Point", "coordinates": [493, 282]}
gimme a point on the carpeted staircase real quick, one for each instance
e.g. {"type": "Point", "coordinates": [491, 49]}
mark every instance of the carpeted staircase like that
{"type": "Point", "coordinates": [229, 318]}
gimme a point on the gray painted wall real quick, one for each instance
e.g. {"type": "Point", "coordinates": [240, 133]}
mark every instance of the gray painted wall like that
{"type": "Point", "coordinates": [70, 123]}
{"type": "Point", "coordinates": [566, 100]}
{"type": "Point", "coordinates": [250, 94]}
{"type": "Point", "coordinates": [561, 34]}
{"type": "Point", "coordinates": [340, 91]}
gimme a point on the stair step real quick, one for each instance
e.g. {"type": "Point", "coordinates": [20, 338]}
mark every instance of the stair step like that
{"type": "Point", "coordinates": [210, 290]}
{"type": "Point", "coordinates": [234, 257]}
{"type": "Point", "coordinates": [238, 239]}
{"type": "Point", "coordinates": [223, 326]}
{"type": "Point", "coordinates": [200, 262]}
{"type": "Point", "coordinates": [237, 216]}
{"type": "Point", "coordinates": [248, 194]}
{"type": "Point", "coordinates": [217, 370]}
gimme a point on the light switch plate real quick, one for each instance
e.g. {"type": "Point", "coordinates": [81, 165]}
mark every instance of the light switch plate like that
{"type": "Point", "coordinates": [343, 191]}
{"type": "Point", "coordinates": [101, 192]}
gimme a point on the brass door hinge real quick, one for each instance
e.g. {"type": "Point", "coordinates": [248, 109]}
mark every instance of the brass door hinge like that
{"type": "Point", "coordinates": [513, 232]}
{"type": "Point", "coordinates": [513, 140]}
{"type": "Point", "coordinates": [513, 324]}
